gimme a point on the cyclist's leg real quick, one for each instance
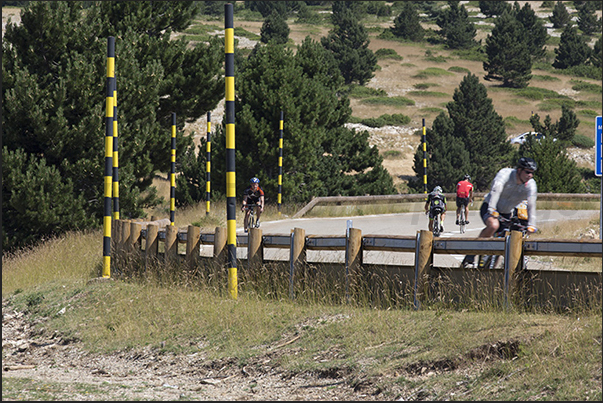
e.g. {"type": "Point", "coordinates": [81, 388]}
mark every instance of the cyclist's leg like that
{"type": "Point", "coordinates": [258, 213]}
{"type": "Point", "coordinates": [246, 220]}
{"type": "Point", "coordinates": [469, 259]}
{"type": "Point", "coordinates": [459, 206]}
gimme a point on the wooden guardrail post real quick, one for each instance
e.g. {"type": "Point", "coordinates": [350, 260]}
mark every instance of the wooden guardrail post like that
{"type": "Point", "coordinates": [423, 261]}
{"type": "Point", "coordinates": [171, 243]}
{"type": "Point", "coordinates": [193, 244]}
{"type": "Point", "coordinates": [513, 264]}
{"type": "Point", "coordinates": [125, 235]}
{"type": "Point", "coordinates": [220, 238]}
{"type": "Point", "coordinates": [353, 257]}
{"type": "Point", "coordinates": [298, 256]}
{"type": "Point", "coordinates": [255, 251]}
{"type": "Point", "coordinates": [134, 239]}
{"type": "Point", "coordinates": [152, 243]}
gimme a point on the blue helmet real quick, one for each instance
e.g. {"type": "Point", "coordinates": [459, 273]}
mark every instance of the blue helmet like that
{"type": "Point", "coordinates": [254, 180]}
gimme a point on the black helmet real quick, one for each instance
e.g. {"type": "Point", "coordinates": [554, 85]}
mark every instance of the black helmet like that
{"type": "Point", "coordinates": [467, 178]}
{"type": "Point", "coordinates": [527, 163]}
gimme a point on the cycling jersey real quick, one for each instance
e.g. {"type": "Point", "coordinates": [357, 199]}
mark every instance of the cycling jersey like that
{"type": "Point", "coordinates": [505, 193]}
{"type": "Point", "coordinates": [250, 196]}
{"type": "Point", "coordinates": [463, 189]}
{"type": "Point", "coordinates": [436, 202]}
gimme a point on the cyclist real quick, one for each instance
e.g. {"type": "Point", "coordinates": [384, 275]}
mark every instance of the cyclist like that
{"type": "Point", "coordinates": [253, 194]}
{"type": "Point", "coordinates": [509, 187]}
{"type": "Point", "coordinates": [436, 204]}
{"type": "Point", "coordinates": [464, 196]}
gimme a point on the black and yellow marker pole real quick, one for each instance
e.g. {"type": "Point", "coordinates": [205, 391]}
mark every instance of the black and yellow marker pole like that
{"type": "Point", "coordinates": [208, 166]}
{"type": "Point", "coordinates": [173, 172]}
{"type": "Point", "coordinates": [280, 164]}
{"type": "Point", "coordinates": [424, 161]}
{"type": "Point", "coordinates": [231, 200]}
{"type": "Point", "coordinates": [115, 156]}
{"type": "Point", "coordinates": [108, 157]}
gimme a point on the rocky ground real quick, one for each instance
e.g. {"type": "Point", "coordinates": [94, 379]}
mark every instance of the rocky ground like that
{"type": "Point", "coordinates": [62, 365]}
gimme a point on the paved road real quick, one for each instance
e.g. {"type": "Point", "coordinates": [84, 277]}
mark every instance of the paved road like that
{"type": "Point", "coordinates": [390, 224]}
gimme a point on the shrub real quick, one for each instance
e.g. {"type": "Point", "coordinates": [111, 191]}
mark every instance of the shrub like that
{"type": "Point", "coordinates": [581, 141]}
{"type": "Point", "coordinates": [386, 53]}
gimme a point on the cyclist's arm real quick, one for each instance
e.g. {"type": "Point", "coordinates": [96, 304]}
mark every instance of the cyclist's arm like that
{"type": "Point", "coordinates": [495, 192]}
{"type": "Point", "coordinates": [532, 193]}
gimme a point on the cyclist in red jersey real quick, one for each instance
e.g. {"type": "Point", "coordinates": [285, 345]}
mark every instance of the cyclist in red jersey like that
{"type": "Point", "coordinates": [464, 196]}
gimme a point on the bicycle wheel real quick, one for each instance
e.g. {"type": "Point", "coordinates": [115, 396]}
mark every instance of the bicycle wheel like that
{"type": "Point", "coordinates": [462, 220]}
{"type": "Point", "coordinates": [251, 223]}
{"type": "Point", "coordinates": [436, 225]}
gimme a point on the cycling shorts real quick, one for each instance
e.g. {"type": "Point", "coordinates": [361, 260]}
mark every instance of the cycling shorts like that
{"type": "Point", "coordinates": [462, 201]}
{"type": "Point", "coordinates": [483, 211]}
{"type": "Point", "coordinates": [434, 211]}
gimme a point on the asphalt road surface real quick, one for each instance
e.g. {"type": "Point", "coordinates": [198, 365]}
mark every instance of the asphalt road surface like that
{"type": "Point", "coordinates": [390, 224]}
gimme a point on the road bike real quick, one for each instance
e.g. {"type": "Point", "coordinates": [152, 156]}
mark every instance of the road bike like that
{"type": "Point", "coordinates": [253, 221]}
{"type": "Point", "coordinates": [506, 225]}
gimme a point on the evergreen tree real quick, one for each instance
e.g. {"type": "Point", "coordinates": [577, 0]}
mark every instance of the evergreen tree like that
{"type": "Point", "coordinates": [471, 140]}
{"type": "Point", "coordinates": [563, 130]}
{"type": "Point", "coordinates": [320, 156]}
{"type": "Point", "coordinates": [509, 58]}
{"type": "Point", "coordinates": [54, 92]}
{"type": "Point", "coordinates": [493, 8]}
{"type": "Point", "coordinates": [560, 16]}
{"type": "Point", "coordinates": [587, 19]}
{"type": "Point", "coordinates": [407, 24]}
{"type": "Point", "coordinates": [275, 28]}
{"type": "Point", "coordinates": [557, 173]}
{"type": "Point", "coordinates": [348, 41]}
{"type": "Point", "coordinates": [534, 30]}
{"type": "Point", "coordinates": [596, 55]}
{"type": "Point", "coordinates": [456, 28]}
{"type": "Point", "coordinates": [572, 50]}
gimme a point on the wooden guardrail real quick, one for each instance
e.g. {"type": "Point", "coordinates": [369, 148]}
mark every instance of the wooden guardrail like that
{"type": "Point", "coordinates": [129, 236]}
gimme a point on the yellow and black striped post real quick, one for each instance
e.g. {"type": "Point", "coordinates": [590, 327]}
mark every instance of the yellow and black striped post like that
{"type": "Point", "coordinates": [424, 161]}
{"type": "Point", "coordinates": [208, 165]}
{"type": "Point", "coordinates": [231, 200]}
{"type": "Point", "coordinates": [108, 157]}
{"type": "Point", "coordinates": [280, 164]}
{"type": "Point", "coordinates": [115, 156]}
{"type": "Point", "coordinates": [173, 172]}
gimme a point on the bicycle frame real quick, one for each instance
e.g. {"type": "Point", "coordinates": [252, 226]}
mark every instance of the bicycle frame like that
{"type": "Point", "coordinates": [506, 225]}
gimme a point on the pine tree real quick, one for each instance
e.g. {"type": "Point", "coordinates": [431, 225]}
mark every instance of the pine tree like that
{"type": "Point", "coordinates": [587, 19]}
{"type": "Point", "coordinates": [535, 33]}
{"type": "Point", "coordinates": [509, 58]}
{"type": "Point", "coordinates": [471, 140]}
{"type": "Point", "coordinates": [456, 28]}
{"type": "Point", "coordinates": [54, 93]}
{"type": "Point", "coordinates": [275, 28]}
{"type": "Point", "coordinates": [320, 156]}
{"type": "Point", "coordinates": [407, 24]}
{"type": "Point", "coordinates": [493, 8]}
{"type": "Point", "coordinates": [348, 41]}
{"type": "Point", "coordinates": [572, 50]}
{"type": "Point", "coordinates": [557, 173]}
{"type": "Point", "coordinates": [560, 16]}
{"type": "Point", "coordinates": [596, 55]}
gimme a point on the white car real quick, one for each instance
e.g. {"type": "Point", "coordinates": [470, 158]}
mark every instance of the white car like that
{"type": "Point", "coordinates": [522, 137]}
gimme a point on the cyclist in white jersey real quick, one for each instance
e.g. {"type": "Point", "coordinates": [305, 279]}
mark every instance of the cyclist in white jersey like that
{"type": "Point", "coordinates": [509, 187]}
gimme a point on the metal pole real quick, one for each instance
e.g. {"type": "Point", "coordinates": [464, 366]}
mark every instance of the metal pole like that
{"type": "Point", "coordinates": [108, 157]}
{"type": "Point", "coordinates": [280, 164]}
{"type": "Point", "coordinates": [208, 166]}
{"type": "Point", "coordinates": [424, 161]}
{"type": "Point", "coordinates": [231, 201]}
{"type": "Point", "coordinates": [115, 156]}
{"type": "Point", "coordinates": [173, 172]}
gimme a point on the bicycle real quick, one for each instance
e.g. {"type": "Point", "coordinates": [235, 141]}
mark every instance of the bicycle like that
{"type": "Point", "coordinates": [506, 225]}
{"type": "Point", "coordinates": [253, 221]}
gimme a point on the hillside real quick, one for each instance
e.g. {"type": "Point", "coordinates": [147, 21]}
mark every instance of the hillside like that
{"type": "Point", "coordinates": [400, 77]}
